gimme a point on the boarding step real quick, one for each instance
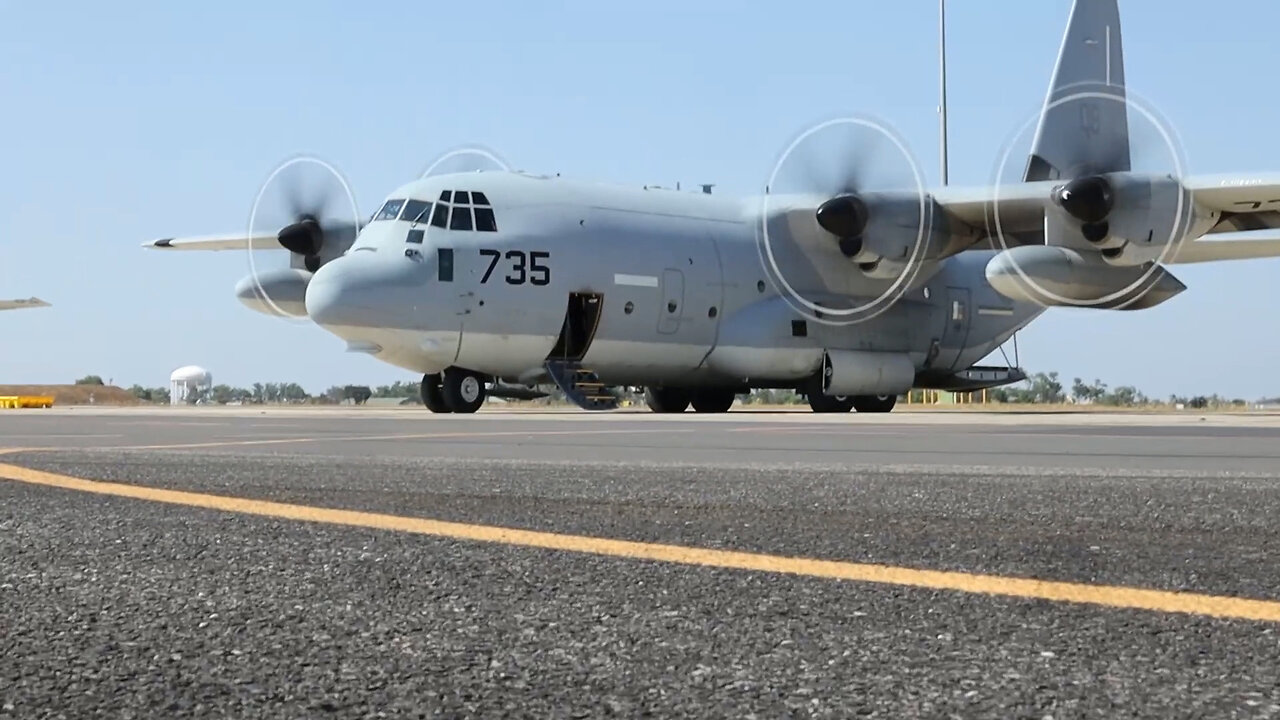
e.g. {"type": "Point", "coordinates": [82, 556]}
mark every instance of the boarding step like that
{"type": "Point", "coordinates": [581, 385]}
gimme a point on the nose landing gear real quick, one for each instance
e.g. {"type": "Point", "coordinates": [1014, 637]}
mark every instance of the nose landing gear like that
{"type": "Point", "coordinates": [455, 391]}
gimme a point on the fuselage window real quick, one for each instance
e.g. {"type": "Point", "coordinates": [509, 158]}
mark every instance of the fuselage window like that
{"type": "Point", "coordinates": [390, 210]}
{"type": "Point", "coordinates": [485, 221]}
{"type": "Point", "coordinates": [416, 211]}
{"type": "Point", "coordinates": [446, 196]}
{"type": "Point", "coordinates": [444, 264]}
{"type": "Point", "coordinates": [461, 197]}
{"type": "Point", "coordinates": [415, 236]}
{"type": "Point", "coordinates": [461, 218]}
{"type": "Point", "coordinates": [441, 216]}
{"type": "Point", "coordinates": [478, 198]}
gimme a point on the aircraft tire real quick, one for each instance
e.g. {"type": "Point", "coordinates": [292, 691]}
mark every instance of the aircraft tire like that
{"type": "Point", "coordinates": [820, 402]}
{"type": "Point", "coordinates": [433, 394]}
{"type": "Point", "coordinates": [874, 403]}
{"type": "Point", "coordinates": [463, 390]}
{"type": "Point", "coordinates": [666, 400]}
{"type": "Point", "coordinates": [712, 400]}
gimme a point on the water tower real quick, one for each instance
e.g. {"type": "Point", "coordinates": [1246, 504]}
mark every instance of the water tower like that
{"type": "Point", "coordinates": [186, 382]}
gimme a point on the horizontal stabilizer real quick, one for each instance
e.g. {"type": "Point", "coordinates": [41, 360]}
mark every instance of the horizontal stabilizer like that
{"type": "Point", "coordinates": [264, 241]}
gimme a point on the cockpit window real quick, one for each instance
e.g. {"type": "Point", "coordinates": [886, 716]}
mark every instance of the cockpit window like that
{"type": "Point", "coordinates": [390, 210]}
{"type": "Point", "coordinates": [485, 221]}
{"type": "Point", "coordinates": [416, 211]}
{"type": "Point", "coordinates": [462, 203]}
{"type": "Point", "coordinates": [441, 217]}
{"type": "Point", "coordinates": [461, 218]}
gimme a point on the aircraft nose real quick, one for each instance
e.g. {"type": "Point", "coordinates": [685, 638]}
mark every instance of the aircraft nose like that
{"type": "Point", "coordinates": [345, 292]}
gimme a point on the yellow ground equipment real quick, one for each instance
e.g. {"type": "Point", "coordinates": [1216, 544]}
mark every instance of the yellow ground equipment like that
{"type": "Point", "coordinates": [26, 401]}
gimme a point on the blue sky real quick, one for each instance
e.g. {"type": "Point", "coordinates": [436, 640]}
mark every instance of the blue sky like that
{"type": "Point", "coordinates": [124, 123]}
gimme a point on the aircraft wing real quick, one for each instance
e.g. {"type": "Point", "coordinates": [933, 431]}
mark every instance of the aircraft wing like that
{"type": "Point", "coordinates": [1016, 207]}
{"type": "Point", "coordinates": [1246, 246]}
{"type": "Point", "coordinates": [19, 304]}
{"type": "Point", "coordinates": [1247, 202]}
{"type": "Point", "coordinates": [238, 241]}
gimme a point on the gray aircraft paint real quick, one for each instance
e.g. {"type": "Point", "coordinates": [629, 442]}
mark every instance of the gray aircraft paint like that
{"type": "Point", "coordinates": [696, 251]}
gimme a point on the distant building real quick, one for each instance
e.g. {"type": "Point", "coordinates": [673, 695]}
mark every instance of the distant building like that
{"type": "Point", "coordinates": [188, 383]}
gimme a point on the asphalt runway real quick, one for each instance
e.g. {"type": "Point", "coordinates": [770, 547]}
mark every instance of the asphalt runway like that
{"type": "Point", "coordinates": [351, 563]}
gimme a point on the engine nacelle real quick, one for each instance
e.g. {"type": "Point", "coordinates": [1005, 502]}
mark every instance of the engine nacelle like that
{"type": "Point", "coordinates": [276, 292]}
{"type": "Point", "coordinates": [857, 372]}
{"type": "Point", "coordinates": [1131, 217]}
{"type": "Point", "coordinates": [898, 232]}
{"type": "Point", "coordinates": [1057, 276]}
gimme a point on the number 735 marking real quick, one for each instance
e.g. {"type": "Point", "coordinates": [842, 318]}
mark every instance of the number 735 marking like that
{"type": "Point", "coordinates": [524, 267]}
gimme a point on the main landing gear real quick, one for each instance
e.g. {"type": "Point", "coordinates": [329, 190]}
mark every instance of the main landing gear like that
{"type": "Point", "coordinates": [677, 400]}
{"type": "Point", "coordinates": [820, 402]}
{"type": "Point", "coordinates": [454, 391]}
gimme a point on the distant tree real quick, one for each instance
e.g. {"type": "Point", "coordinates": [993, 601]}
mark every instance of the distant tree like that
{"type": "Point", "coordinates": [90, 380]}
{"type": "Point", "coordinates": [1124, 396]}
{"type": "Point", "coordinates": [1084, 392]}
{"type": "Point", "coordinates": [398, 389]}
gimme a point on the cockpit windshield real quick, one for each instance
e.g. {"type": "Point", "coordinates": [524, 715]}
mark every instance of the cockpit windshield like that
{"type": "Point", "coordinates": [390, 210]}
{"type": "Point", "coordinates": [416, 211]}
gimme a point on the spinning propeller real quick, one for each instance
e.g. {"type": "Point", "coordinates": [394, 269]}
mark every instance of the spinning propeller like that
{"type": "Point", "coordinates": [845, 190]}
{"type": "Point", "coordinates": [1117, 169]}
{"type": "Point", "coordinates": [310, 208]}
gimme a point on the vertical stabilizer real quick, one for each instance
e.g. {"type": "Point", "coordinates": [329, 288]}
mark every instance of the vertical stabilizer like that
{"type": "Point", "coordinates": [1084, 126]}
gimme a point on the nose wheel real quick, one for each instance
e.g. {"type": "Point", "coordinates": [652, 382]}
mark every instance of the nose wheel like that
{"type": "Point", "coordinates": [454, 391]}
{"type": "Point", "coordinates": [433, 394]}
{"type": "Point", "coordinates": [463, 390]}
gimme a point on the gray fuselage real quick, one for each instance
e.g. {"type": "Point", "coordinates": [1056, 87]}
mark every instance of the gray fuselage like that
{"type": "Point", "coordinates": [685, 295]}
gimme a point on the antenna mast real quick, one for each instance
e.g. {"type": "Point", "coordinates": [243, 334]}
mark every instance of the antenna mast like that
{"type": "Point", "coordinates": [942, 86]}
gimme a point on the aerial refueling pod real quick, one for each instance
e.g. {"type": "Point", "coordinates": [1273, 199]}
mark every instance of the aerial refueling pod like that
{"type": "Point", "coordinates": [1061, 277]}
{"type": "Point", "coordinates": [857, 372]}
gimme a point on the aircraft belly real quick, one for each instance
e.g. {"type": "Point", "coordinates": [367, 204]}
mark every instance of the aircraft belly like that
{"type": "Point", "coordinates": [634, 360]}
{"type": "Point", "coordinates": [503, 354]}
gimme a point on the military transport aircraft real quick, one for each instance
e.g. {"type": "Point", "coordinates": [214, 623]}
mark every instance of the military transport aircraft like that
{"type": "Point", "coordinates": [20, 303]}
{"type": "Point", "coordinates": [850, 285]}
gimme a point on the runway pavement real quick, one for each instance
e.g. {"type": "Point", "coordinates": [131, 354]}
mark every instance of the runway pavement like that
{"type": "Point", "coordinates": [303, 563]}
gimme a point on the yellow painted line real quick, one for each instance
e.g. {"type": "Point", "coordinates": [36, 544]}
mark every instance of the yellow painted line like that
{"type": "Point", "coordinates": [1130, 598]}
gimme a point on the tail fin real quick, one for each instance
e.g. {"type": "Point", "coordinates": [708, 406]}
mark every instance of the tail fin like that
{"type": "Point", "coordinates": [1084, 126]}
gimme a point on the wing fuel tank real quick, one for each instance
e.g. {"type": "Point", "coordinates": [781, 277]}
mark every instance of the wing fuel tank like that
{"type": "Point", "coordinates": [1059, 276]}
